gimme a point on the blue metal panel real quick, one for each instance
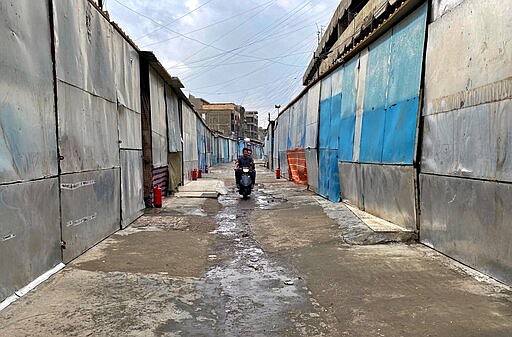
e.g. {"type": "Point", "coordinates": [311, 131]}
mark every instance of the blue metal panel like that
{"type": "Point", "coordinates": [225, 145]}
{"type": "Point", "coordinates": [391, 93]}
{"type": "Point", "coordinates": [328, 175]}
{"type": "Point", "coordinates": [377, 74]}
{"type": "Point", "coordinates": [301, 124]}
{"type": "Point", "coordinates": [400, 132]}
{"type": "Point", "coordinates": [348, 112]}
{"type": "Point", "coordinates": [372, 139]}
{"type": "Point", "coordinates": [323, 172]}
{"type": "Point", "coordinates": [377, 78]}
{"type": "Point", "coordinates": [335, 122]}
{"type": "Point", "coordinates": [406, 62]}
{"type": "Point", "coordinates": [325, 124]}
{"type": "Point", "coordinates": [334, 176]}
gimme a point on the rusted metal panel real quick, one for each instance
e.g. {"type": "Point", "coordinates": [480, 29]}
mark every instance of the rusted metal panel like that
{"type": "Point", "coordinates": [90, 209]}
{"type": "Point", "coordinates": [86, 139]}
{"type": "Point", "coordinates": [28, 146]}
{"type": "Point", "coordinates": [84, 56]}
{"type": "Point", "coordinates": [469, 220]}
{"type": "Point", "coordinates": [29, 235]}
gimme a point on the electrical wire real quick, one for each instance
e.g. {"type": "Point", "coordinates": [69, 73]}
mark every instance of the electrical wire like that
{"type": "Point", "coordinates": [210, 25]}
{"type": "Point", "coordinates": [173, 21]}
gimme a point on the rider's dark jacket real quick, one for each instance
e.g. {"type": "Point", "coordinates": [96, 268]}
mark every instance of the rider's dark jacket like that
{"type": "Point", "coordinates": [245, 162]}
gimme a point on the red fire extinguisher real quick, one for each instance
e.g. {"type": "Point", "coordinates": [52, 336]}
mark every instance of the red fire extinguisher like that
{"type": "Point", "coordinates": [278, 173]}
{"type": "Point", "coordinates": [194, 174]}
{"type": "Point", "coordinates": [199, 173]}
{"type": "Point", "coordinates": [157, 196]}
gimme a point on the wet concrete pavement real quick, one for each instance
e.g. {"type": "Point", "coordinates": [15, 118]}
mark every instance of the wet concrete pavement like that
{"type": "Point", "coordinates": [283, 263]}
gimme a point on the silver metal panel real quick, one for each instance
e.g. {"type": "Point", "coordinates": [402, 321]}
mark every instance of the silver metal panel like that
{"type": "Point", "coordinates": [337, 81]}
{"type": "Point", "coordinates": [127, 72]}
{"type": "Point", "coordinates": [312, 110]}
{"type": "Point", "coordinates": [312, 167]}
{"type": "Point", "coordinates": [29, 232]}
{"type": "Point", "coordinates": [189, 134]}
{"type": "Point", "coordinates": [473, 142]}
{"type": "Point", "coordinates": [158, 119]}
{"type": "Point", "coordinates": [361, 81]}
{"type": "Point", "coordinates": [389, 193]}
{"type": "Point", "coordinates": [503, 137]}
{"type": "Point", "coordinates": [132, 189]}
{"type": "Point", "coordinates": [469, 47]}
{"type": "Point", "coordinates": [438, 144]}
{"type": "Point", "coordinates": [173, 120]}
{"type": "Point", "coordinates": [88, 125]}
{"type": "Point", "coordinates": [84, 54]}
{"type": "Point", "coordinates": [28, 146]}
{"type": "Point", "coordinates": [469, 220]}
{"type": "Point", "coordinates": [90, 209]}
{"type": "Point", "coordinates": [351, 183]}
{"type": "Point", "coordinates": [190, 155]}
{"type": "Point", "coordinates": [130, 131]}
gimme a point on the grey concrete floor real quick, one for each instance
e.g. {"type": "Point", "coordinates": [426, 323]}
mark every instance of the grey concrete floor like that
{"type": "Point", "coordinates": [278, 264]}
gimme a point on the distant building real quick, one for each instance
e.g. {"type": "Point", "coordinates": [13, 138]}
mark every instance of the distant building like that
{"type": "Point", "coordinates": [262, 133]}
{"type": "Point", "coordinates": [251, 125]}
{"type": "Point", "coordinates": [225, 118]}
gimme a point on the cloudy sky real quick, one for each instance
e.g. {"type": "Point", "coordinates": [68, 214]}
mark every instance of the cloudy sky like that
{"type": "Point", "coordinates": [252, 53]}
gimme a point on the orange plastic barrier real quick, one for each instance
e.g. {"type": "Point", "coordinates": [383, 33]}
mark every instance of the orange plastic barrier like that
{"type": "Point", "coordinates": [297, 166]}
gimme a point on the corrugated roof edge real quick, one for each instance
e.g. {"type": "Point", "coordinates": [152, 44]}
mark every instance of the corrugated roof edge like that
{"type": "Point", "coordinates": [172, 81]}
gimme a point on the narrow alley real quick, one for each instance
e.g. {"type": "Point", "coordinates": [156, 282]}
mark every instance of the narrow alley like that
{"type": "Point", "coordinates": [273, 265]}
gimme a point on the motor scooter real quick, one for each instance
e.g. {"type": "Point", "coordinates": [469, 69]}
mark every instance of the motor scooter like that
{"type": "Point", "coordinates": [245, 182]}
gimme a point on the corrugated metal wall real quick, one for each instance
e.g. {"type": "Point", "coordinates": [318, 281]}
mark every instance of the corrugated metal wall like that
{"type": "Point", "coordinates": [127, 79]}
{"type": "Point", "coordinates": [328, 139]}
{"type": "Point", "coordinates": [201, 144]}
{"type": "Point", "coordinates": [96, 128]}
{"type": "Point", "coordinates": [466, 170]}
{"type": "Point", "coordinates": [87, 112]}
{"type": "Point", "coordinates": [174, 131]}
{"type": "Point", "coordinates": [311, 143]}
{"type": "Point", "coordinates": [190, 155]}
{"type": "Point", "coordinates": [158, 119]}
{"type": "Point", "coordinates": [380, 110]}
{"type": "Point", "coordinates": [29, 236]}
{"type": "Point", "coordinates": [360, 125]}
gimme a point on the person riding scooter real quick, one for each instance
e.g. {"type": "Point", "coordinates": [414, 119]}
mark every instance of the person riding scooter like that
{"type": "Point", "coordinates": [245, 161]}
